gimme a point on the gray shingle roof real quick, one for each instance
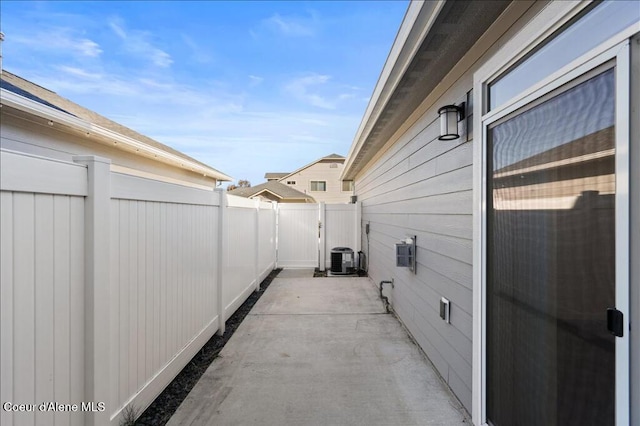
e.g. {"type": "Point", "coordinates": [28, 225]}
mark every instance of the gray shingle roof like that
{"type": "Point", "coordinates": [274, 175]}
{"type": "Point", "coordinates": [281, 190]}
{"type": "Point", "coordinates": [25, 88]}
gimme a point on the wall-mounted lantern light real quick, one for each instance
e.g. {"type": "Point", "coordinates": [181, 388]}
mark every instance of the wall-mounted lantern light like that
{"type": "Point", "coordinates": [450, 115]}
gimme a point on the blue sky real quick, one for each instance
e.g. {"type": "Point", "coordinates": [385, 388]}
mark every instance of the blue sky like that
{"type": "Point", "coordinates": [246, 87]}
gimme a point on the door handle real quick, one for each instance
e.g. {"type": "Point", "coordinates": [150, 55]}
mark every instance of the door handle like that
{"type": "Point", "coordinates": [614, 322]}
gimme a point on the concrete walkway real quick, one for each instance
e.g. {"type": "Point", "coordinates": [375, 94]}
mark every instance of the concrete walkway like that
{"type": "Point", "coordinates": [319, 351]}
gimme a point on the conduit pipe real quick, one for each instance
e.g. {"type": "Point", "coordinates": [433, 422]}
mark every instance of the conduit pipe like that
{"type": "Point", "coordinates": [384, 298]}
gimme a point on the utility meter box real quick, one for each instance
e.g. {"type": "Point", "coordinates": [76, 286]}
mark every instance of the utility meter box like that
{"type": "Point", "coordinates": [406, 254]}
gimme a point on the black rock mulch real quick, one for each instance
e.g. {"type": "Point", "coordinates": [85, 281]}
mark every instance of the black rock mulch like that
{"type": "Point", "coordinates": [161, 410]}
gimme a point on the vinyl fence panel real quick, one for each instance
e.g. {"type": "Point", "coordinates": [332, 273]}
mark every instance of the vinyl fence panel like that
{"type": "Point", "coordinates": [163, 284]}
{"type": "Point", "coordinates": [298, 235]}
{"type": "Point", "coordinates": [42, 286]}
{"type": "Point", "coordinates": [267, 240]}
{"type": "Point", "coordinates": [240, 252]}
{"type": "Point", "coordinates": [340, 228]}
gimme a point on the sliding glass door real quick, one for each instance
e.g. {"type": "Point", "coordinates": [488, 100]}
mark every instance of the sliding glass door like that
{"type": "Point", "coordinates": [551, 257]}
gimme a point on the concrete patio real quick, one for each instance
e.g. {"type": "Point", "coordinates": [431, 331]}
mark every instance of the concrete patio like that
{"type": "Point", "coordinates": [319, 351]}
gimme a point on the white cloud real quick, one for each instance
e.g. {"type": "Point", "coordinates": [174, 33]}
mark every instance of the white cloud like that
{"type": "Point", "coordinates": [137, 42]}
{"type": "Point", "coordinates": [255, 80]}
{"type": "Point", "coordinates": [300, 89]}
{"type": "Point", "coordinates": [78, 72]}
{"type": "Point", "coordinates": [198, 54]}
{"type": "Point", "coordinates": [291, 26]}
{"type": "Point", "coordinates": [59, 40]}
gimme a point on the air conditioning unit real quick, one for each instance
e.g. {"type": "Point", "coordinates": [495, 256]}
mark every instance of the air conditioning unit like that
{"type": "Point", "coordinates": [342, 261]}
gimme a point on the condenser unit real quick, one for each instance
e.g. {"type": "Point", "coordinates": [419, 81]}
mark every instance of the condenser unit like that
{"type": "Point", "coordinates": [342, 260]}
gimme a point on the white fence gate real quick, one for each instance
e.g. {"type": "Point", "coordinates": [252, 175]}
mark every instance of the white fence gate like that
{"type": "Point", "coordinates": [308, 232]}
{"type": "Point", "coordinates": [298, 236]}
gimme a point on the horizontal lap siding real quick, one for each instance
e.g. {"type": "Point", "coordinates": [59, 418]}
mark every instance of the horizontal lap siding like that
{"type": "Point", "coordinates": [423, 186]}
{"type": "Point", "coordinates": [42, 304]}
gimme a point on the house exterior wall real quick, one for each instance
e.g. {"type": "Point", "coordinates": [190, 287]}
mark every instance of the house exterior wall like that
{"type": "Point", "coordinates": [635, 229]}
{"type": "Point", "coordinates": [321, 171]}
{"type": "Point", "coordinates": [419, 185]}
{"type": "Point", "coordinates": [32, 138]}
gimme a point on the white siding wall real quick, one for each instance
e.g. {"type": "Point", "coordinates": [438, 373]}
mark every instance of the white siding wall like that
{"type": "Point", "coordinates": [50, 142]}
{"type": "Point", "coordinates": [321, 171]}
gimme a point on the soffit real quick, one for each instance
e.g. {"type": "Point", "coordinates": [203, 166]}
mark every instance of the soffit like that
{"type": "Point", "coordinates": [458, 25]}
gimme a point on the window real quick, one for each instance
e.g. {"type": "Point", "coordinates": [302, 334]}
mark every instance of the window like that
{"type": "Point", "coordinates": [291, 182]}
{"type": "Point", "coordinates": [333, 166]}
{"type": "Point", "coordinates": [347, 185]}
{"type": "Point", "coordinates": [591, 29]}
{"type": "Point", "coordinates": [318, 185]}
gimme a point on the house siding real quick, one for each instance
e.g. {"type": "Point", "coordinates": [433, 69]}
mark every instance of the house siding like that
{"type": "Point", "coordinates": [23, 136]}
{"type": "Point", "coordinates": [321, 171]}
{"type": "Point", "coordinates": [423, 187]}
{"type": "Point", "coordinates": [419, 185]}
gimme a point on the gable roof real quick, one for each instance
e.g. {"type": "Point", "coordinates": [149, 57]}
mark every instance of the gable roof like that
{"type": "Point", "coordinates": [45, 97]}
{"type": "Point", "coordinates": [275, 175]}
{"type": "Point", "coordinates": [328, 157]}
{"type": "Point", "coordinates": [278, 189]}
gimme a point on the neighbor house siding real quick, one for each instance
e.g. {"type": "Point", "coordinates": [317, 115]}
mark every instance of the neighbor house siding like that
{"type": "Point", "coordinates": [23, 136]}
{"type": "Point", "coordinates": [321, 171]}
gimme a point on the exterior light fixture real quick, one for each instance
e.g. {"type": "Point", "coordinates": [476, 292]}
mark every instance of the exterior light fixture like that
{"type": "Point", "coordinates": [450, 115]}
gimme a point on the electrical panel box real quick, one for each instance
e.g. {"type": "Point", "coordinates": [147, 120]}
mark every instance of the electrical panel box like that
{"type": "Point", "coordinates": [406, 254]}
{"type": "Point", "coordinates": [445, 310]}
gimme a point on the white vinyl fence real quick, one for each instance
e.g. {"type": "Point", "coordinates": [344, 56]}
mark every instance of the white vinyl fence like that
{"type": "Point", "coordinates": [298, 235]}
{"type": "Point", "coordinates": [111, 283]}
{"type": "Point", "coordinates": [308, 232]}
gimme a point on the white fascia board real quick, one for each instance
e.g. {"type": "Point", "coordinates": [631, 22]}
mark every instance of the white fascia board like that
{"type": "Point", "coordinates": [270, 192]}
{"type": "Point", "coordinates": [21, 103]}
{"type": "Point", "coordinates": [392, 72]}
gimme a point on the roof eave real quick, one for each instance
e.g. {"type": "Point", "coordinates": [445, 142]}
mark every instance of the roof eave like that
{"type": "Point", "coordinates": [416, 24]}
{"type": "Point", "coordinates": [34, 108]}
{"type": "Point", "coordinates": [309, 165]}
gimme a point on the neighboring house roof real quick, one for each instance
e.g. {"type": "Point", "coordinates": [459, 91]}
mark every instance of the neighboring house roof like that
{"type": "Point", "coordinates": [274, 175]}
{"type": "Point", "coordinates": [278, 189]}
{"type": "Point", "coordinates": [328, 157]}
{"type": "Point", "coordinates": [26, 89]}
{"type": "Point", "coordinates": [433, 37]}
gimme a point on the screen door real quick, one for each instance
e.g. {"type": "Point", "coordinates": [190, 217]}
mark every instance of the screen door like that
{"type": "Point", "coordinates": [550, 241]}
